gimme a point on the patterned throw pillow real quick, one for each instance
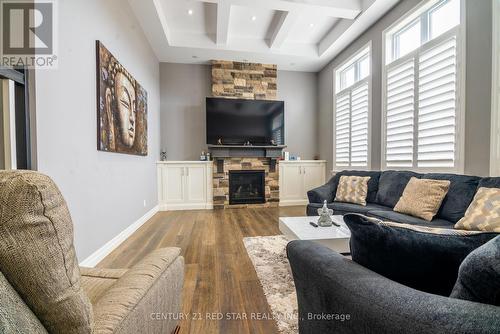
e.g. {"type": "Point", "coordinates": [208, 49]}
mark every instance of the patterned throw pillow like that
{"type": "Point", "coordinates": [483, 214]}
{"type": "Point", "coordinates": [422, 197]}
{"type": "Point", "coordinates": [352, 189]}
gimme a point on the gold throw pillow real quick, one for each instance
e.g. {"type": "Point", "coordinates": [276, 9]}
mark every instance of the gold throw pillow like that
{"type": "Point", "coordinates": [352, 189]}
{"type": "Point", "coordinates": [483, 214]}
{"type": "Point", "coordinates": [422, 197]}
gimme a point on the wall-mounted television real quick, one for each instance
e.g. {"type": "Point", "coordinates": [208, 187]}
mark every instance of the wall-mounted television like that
{"type": "Point", "coordinates": [238, 121]}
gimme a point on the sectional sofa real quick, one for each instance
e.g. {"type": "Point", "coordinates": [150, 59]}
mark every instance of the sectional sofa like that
{"type": "Point", "coordinates": [385, 188]}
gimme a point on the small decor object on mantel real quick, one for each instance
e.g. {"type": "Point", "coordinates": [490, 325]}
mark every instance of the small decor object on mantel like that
{"type": "Point", "coordinates": [325, 214]}
{"type": "Point", "coordinates": [203, 156]}
{"type": "Point", "coordinates": [163, 155]}
{"type": "Point", "coordinates": [219, 141]}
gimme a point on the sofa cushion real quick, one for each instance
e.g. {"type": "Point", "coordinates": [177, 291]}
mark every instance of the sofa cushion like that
{"type": "Point", "coordinates": [422, 197]}
{"type": "Point", "coordinates": [425, 259]}
{"type": "Point", "coordinates": [37, 255]}
{"type": "Point", "coordinates": [372, 183]}
{"type": "Point", "coordinates": [389, 215]}
{"type": "Point", "coordinates": [460, 194]}
{"type": "Point", "coordinates": [352, 189]}
{"type": "Point", "coordinates": [15, 316]}
{"type": "Point", "coordinates": [127, 305]}
{"type": "Point", "coordinates": [340, 208]}
{"type": "Point", "coordinates": [489, 182]}
{"type": "Point", "coordinates": [479, 275]}
{"type": "Point", "coordinates": [391, 185]}
{"type": "Point", "coordinates": [97, 281]}
{"type": "Point", "coordinates": [483, 214]}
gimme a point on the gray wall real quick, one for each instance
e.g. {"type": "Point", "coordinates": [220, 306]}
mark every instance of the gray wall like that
{"type": "Point", "coordinates": [183, 91]}
{"type": "Point", "coordinates": [299, 91]}
{"type": "Point", "coordinates": [183, 88]}
{"type": "Point", "coordinates": [104, 191]}
{"type": "Point", "coordinates": [478, 86]}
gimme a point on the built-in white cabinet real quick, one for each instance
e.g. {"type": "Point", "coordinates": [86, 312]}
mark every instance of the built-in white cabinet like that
{"type": "Point", "coordinates": [185, 185]}
{"type": "Point", "coordinates": [297, 178]}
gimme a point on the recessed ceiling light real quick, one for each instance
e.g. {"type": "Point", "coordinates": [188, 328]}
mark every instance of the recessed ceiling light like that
{"type": "Point", "coordinates": [195, 57]}
{"type": "Point", "coordinates": [254, 18]}
{"type": "Point", "coordinates": [311, 25]}
{"type": "Point", "coordinates": [190, 12]}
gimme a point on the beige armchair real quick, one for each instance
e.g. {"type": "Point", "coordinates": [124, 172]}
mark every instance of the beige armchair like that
{"type": "Point", "coordinates": [42, 289]}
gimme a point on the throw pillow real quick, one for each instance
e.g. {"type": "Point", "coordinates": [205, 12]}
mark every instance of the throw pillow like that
{"type": "Point", "coordinates": [479, 275]}
{"type": "Point", "coordinates": [483, 214]}
{"type": "Point", "coordinates": [352, 189]}
{"type": "Point", "coordinates": [424, 258]}
{"type": "Point", "coordinates": [37, 255]}
{"type": "Point", "coordinates": [422, 197]}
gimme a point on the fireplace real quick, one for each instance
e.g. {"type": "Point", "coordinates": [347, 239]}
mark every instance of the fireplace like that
{"type": "Point", "coordinates": [247, 186]}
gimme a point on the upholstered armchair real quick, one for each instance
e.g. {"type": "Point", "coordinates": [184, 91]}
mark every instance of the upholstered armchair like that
{"type": "Point", "coordinates": [42, 288]}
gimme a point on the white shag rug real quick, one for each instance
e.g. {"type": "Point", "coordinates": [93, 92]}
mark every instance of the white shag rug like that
{"type": "Point", "coordinates": [269, 259]}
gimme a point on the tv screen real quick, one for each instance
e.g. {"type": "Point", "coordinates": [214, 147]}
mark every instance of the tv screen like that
{"type": "Point", "coordinates": [237, 121]}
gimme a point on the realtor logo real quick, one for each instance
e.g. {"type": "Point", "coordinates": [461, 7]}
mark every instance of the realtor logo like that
{"type": "Point", "coordinates": [28, 33]}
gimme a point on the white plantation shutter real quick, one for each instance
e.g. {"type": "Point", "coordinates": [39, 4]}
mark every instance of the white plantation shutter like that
{"type": "Point", "coordinates": [400, 111]}
{"type": "Point", "coordinates": [359, 126]}
{"type": "Point", "coordinates": [351, 127]}
{"type": "Point", "coordinates": [437, 105]}
{"type": "Point", "coordinates": [342, 129]}
{"type": "Point", "coordinates": [421, 107]}
{"type": "Point", "coordinates": [352, 111]}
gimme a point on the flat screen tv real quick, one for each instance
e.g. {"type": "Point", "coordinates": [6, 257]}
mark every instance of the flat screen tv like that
{"type": "Point", "coordinates": [238, 121]}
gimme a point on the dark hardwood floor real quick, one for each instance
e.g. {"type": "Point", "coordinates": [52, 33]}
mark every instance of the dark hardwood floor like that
{"type": "Point", "coordinates": [219, 276]}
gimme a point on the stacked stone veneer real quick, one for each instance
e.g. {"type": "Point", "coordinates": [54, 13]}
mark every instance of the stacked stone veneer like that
{"type": "Point", "coordinates": [233, 79]}
{"type": "Point", "coordinates": [221, 181]}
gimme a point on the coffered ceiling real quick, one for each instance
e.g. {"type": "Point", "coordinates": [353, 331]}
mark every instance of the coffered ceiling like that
{"type": "Point", "coordinates": [300, 35]}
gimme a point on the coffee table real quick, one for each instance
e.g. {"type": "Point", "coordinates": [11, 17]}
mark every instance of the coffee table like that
{"type": "Point", "coordinates": [333, 237]}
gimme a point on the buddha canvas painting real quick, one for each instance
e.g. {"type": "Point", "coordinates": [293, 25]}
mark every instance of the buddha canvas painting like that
{"type": "Point", "coordinates": [121, 107]}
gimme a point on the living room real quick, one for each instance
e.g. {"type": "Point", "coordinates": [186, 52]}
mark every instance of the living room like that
{"type": "Point", "coordinates": [230, 166]}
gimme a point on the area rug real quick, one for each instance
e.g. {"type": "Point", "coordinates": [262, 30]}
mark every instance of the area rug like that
{"type": "Point", "coordinates": [268, 256]}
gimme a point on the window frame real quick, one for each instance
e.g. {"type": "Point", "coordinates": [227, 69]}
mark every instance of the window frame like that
{"type": "Point", "coordinates": [355, 58]}
{"type": "Point", "coordinates": [495, 93]}
{"type": "Point", "coordinates": [459, 31]}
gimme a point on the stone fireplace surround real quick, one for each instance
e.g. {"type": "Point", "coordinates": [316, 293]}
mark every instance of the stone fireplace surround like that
{"type": "Point", "coordinates": [221, 169]}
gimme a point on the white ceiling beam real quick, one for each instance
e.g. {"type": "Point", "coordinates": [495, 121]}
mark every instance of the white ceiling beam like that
{"type": "Point", "coordinates": [334, 34]}
{"type": "Point", "coordinates": [153, 24]}
{"type": "Point", "coordinates": [345, 31]}
{"type": "Point", "coordinates": [163, 20]}
{"type": "Point", "coordinates": [347, 9]}
{"type": "Point", "coordinates": [283, 27]}
{"type": "Point", "coordinates": [223, 14]}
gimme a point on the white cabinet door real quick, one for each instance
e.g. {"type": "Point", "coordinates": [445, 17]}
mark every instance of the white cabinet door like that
{"type": "Point", "coordinates": [196, 184]}
{"type": "Point", "coordinates": [174, 184]}
{"type": "Point", "coordinates": [292, 183]}
{"type": "Point", "coordinates": [313, 177]}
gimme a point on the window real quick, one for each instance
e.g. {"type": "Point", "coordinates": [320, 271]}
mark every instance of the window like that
{"type": "Point", "coordinates": [352, 111]}
{"type": "Point", "coordinates": [421, 85]}
{"type": "Point", "coordinates": [16, 120]}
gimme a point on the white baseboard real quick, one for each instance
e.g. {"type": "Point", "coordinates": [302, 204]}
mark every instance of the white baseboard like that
{"type": "Point", "coordinates": [186, 206]}
{"type": "Point", "coordinates": [102, 252]}
{"type": "Point", "coordinates": [293, 202]}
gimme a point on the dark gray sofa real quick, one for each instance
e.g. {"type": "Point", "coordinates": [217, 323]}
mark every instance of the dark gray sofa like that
{"type": "Point", "coordinates": [331, 287]}
{"type": "Point", "coordinates": [385, 189]}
